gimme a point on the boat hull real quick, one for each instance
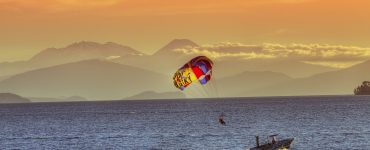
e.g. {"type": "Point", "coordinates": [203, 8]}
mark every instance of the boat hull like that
{"type": "Point", "coordinates": [283, 144]}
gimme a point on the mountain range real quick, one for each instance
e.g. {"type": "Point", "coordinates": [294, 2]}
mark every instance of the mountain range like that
{"type": "Point", "coordinates": [233, 85]}
{"type": "Point", "coordinates": [92, 79]}
{"type": "Point", "coordinates": [75, 52]}
{"type": "Point", "coordinates": [330, 83]}
{"type": "Point", "coordinates": [12, 98]}
{"type": "Point", "coordinates": [108, 71]}
{"type": "Point", "coordinates": [168, 59]}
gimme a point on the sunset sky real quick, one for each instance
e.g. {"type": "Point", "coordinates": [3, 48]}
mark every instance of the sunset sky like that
{"type": "Point", "coordinates": [28, 26]}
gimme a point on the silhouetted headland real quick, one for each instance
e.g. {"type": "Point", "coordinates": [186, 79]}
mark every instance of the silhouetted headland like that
{"type": "Point", "coordinates": [363, 89]}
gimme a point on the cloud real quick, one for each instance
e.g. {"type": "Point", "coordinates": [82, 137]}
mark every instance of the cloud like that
{"type": "Point", "coordinates": [337, 56]}
{"type": "Point", "coordinates": [112, 57]}
{"type": "Point", "coordinates": [334, 64]}
{"type": "Point", "coordinates": [318, 52]}
{"type": "Point", "coordinates": [217, 55]}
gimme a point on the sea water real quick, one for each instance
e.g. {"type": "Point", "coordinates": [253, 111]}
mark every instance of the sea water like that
{"type": "Point", "coordinates": [318, 122]}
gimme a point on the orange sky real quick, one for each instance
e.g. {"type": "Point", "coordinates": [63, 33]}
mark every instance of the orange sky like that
{"type": "Point", "coordinates": [28, 26]}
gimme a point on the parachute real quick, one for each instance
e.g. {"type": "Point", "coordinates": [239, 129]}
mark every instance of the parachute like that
{"type": "Point", "coordinates": [198, 69]}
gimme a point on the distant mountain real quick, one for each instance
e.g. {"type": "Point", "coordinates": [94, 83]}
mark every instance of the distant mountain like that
{"type": "Point", "coordinates": [72, 53]}
{"type": "Point", "coordinates": [234, 85]}
{"type": "Point", "coordinates": [61, 99]}
{"type": "Point", "coordinates": [168, 50]}
{"type": "Point", "coordinates": [331, 83]}
{"type": "Point", "coordinates": [12, 98]}
{"type": "Point", "coordinates": [3, 78]}
{"type": "Point", "coordinates": [83, 51]}
{"type": "Point", "coordinates": [121, 71]}
{"type": "Point", "coordinates": [155, 95]}
{"type": "Point", "coordinates": [295, 69]}
{"type": "Point", "coordinates": [11, 68]}
{"type": "Point", "coordinates": [92, 79]}
{"type": "Point", "coordinates": [166, 60]}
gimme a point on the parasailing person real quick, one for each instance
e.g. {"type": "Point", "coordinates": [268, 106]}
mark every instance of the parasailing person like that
{"type": "Point", "coordinates": [221, 119]}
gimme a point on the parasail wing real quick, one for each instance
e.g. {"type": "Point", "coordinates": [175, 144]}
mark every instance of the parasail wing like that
{"type": "Point", "coordinates": [197, 69]}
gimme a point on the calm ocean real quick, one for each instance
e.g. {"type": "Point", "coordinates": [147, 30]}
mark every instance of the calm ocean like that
{"type": "Point", "coordinates": [319, 122]}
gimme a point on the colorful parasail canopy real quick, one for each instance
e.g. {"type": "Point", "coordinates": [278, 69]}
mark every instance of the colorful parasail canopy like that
{"type": "Point", "coordinates": [197, 69]}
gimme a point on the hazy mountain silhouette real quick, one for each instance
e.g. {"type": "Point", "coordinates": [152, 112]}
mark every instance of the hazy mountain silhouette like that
{"type": "Point", "coordinates": [166, 60]}
{"type": "Point", "coordinates": [175, 44]}
{"type": "Point", "coordinates": [61, 99]}
{"type": "Point", "coordinates": [71, 53]}
{"type": "Point", "coordinates": [156, 95]}
{"type": "Point", "coordinates": [294, 69]}
{"type": "Point", "coordinates": [233, 85]}
{"type": "Point", "coordinates": [83, 51]}
{"type": "Point", "coordinates": [330, 83]}
{"type": "Point", "coordinates": [11, 68]}
{"type": "Point", "coordinates": [68, 71]}
{"type": "Point", "coordinates": [3, 77]}
{"type": "Point", "coordinates": [93, 79]}
{"type": "Point", "coordinates": [12, 98]}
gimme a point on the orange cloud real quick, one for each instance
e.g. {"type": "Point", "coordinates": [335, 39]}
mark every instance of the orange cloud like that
{"type": "Point", "coordinates": [217, 55]}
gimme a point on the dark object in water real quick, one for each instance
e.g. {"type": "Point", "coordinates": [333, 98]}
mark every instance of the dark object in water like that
{"type": "Point", "coordinates": [363, 89]}
{"type": "Point", "coordinates": [221, 119]}
{"type": "Point", "coordinates": [273, 143]}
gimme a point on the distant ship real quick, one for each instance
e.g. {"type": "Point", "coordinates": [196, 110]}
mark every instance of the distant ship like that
{"type": "Point", "coordinates": [273, 143]}
{"type": "Point", "coordinates": [363, 89]}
